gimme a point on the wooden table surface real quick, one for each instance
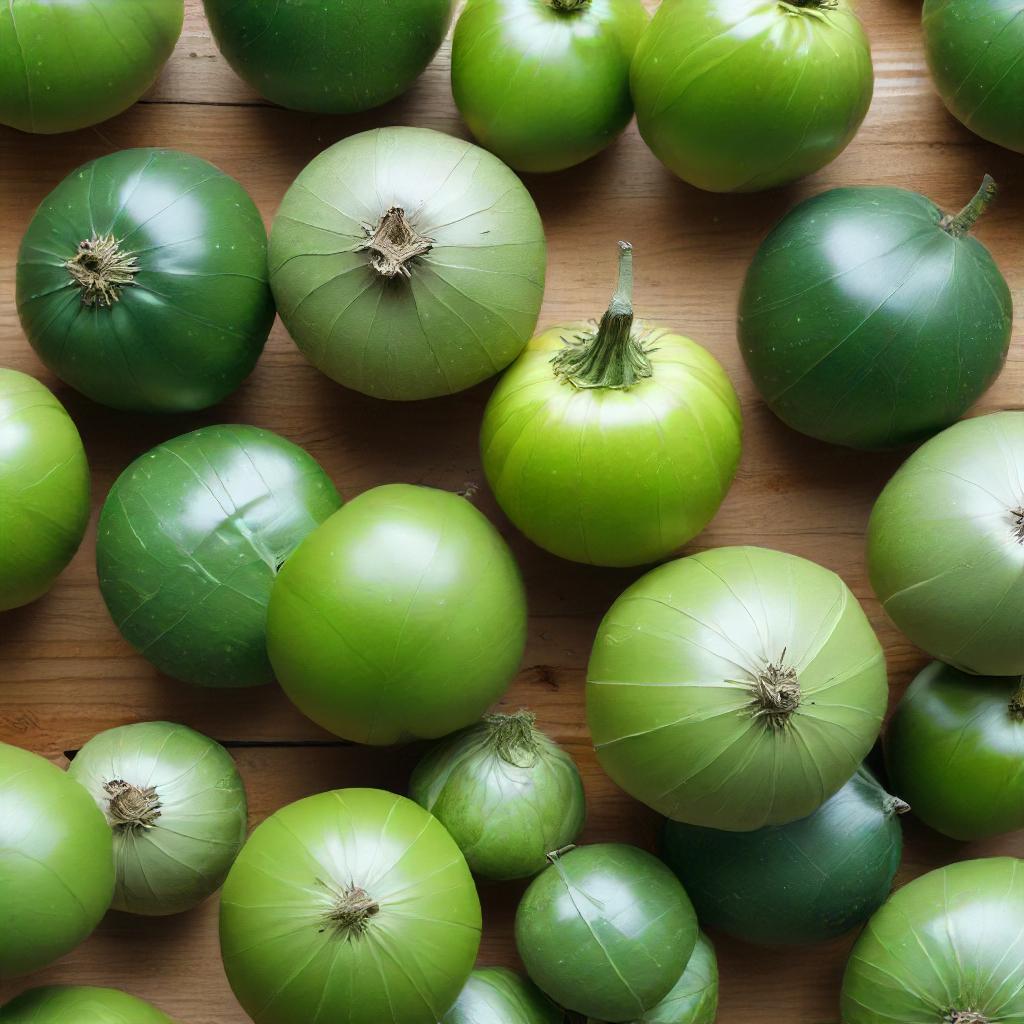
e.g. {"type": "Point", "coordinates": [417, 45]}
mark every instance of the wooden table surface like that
{"type": "Point", "coordinates": [66, 674]}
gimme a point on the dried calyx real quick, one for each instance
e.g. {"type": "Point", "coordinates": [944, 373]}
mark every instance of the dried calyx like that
{"type": "Point", "coordinates": [394, 243]}
{"type": "Point", "coordinates": [966, 1017]}
{"type": "Point", "coordinates": [1016, 705]}
{"type": "Point", "coordinates": [1017, 515]}
{"type": "Point", "coordinates": [776, 693]}
{"type": "Point", "coordinates": [131, 807]}
{"type": "Point", "coordinates": [961, 223]}
{"type": "Point", "coordinates": [894, 805]}
{"type": "Point", "coordinates": [353, 907]}
{"type": "Point", "coordinates": [615, 356]}
{"type": "Point", "coordinates": [512, 737]}
{"type": "Point", "coordinates": [568, 6]}
{"type": "Point", "coordinates": [812, 5]}
{"type": "Point", "coordinates": [101, 269]}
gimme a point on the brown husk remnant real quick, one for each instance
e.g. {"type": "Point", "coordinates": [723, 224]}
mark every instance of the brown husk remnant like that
{"type": "Point", "coordinates": [394, 243]}
{"type": "Point", "coordinates": [100, 270]}
{"type": "Point", "coordinates": [776, 691]}
{"type": "Point", "coordinates": [131, 807]}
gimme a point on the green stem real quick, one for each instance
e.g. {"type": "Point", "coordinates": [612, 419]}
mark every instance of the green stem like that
{"type": "Point", "coordinates": [556, 855]}
{"type": "Point", "coordinates": [512, 737]}
{"type": "Point", "coordinates": [961, 224]}
{"type": "Point", "coordinates": [614, 357]}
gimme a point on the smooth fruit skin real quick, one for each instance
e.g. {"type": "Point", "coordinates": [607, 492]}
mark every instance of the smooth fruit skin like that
{"type": "Point", "coordinates": [948, 947]}
{"type": "Point", "coordinates": [172, 858]}
{"type": "Point", "coordinates": [946, 546]}
{"type": "Point", "coordinates": [68, 64]}
{"type": "Point", "coordinates": [605, 931]}
{"type": "Point", "coordinates": [467, 306]}
{"type": "Point", "coordinates": [694, 997]}
{"type": "Point", "coordinates": [506, 804]}
{"type": "Point", "coordinates": [402, 617]}
{"type": "Point", "coordinates": [864, 322]}
{"type": "Point", "coordinates": [191, 325]}
{"type": "Point", "coordinates": [541, 83]}
{"type": "Point", "coordinates": [496, 995]}
{"type": "Point", "coordinates": [688, 664]}
{"type": "Point", "coordinates": [744, 95]}
{"type": "Point", "coordinates": [973, 49]}
{"type": "Point", "coordinates": [607, 476]}
{"type": "Point", "coordinates": [797, 884]}
{"type": "Point", "coordinates": [340, 57]}
{"type": "Point", "coordinates": [56, 862]}
{"type": "Point", "coordinates": [190, 540]}
{"type": "Point", "coordinates": [44, 489]}
{"type": "Point", "coordinates": [289, 960]}
{"type": "Point", "coordinates": [955, 750]}
{"type": "Point", "coordinates": [79, 1004]}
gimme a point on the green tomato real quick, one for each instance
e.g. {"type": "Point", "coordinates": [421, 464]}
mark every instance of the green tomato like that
{"type": "Point", "coordinates": [796, 884]}
{"type": "Point", "coordinates": [946, 546]}
{"type": "Point", "coordinates": [70, 64]}
{"type": "Point", "coordinates": [544, 84]}
{"type": "Point", "coordinates": [973, 49]}
{"type": "Point", "coordinates": [79, 1004]}
{"type": "Point", "coordinates": [142, 282]}
{"type": "Point", "coordinates": [190, 540]}
{"type": "Point", "coordinates": [351, 905]}
{"type": "Point", "coordinates": [946, 949]}
{"type": "Point", "coordinates": [871, 319]}
{"type": "Point", "coordinates": [176, 806]}
{"type": "Point", "coordinates": [606, 930]}
{"type": "Point", "coordinates": [402, 617]}
{"type": "Point", "coordinates": [613, 444]}
{"type": "Point", "coordinates": [407, 264]}
{"type": "Point", "coordinates": [44, 489]}
{"type": "Point", "coordinates": [955, 750]}
{"type": "Point", "coordinates": [329, 58]}
{"type": "Point", "coordinates": [496, 995]}
{"type": "Point", "coordinates": [735, 689]}
{"type": "Point", "coordinates": [744, 95]}
{"type": "Point", "coordinates": [507, 794]}
{"type": "Point", "coordinates": [56, 862]}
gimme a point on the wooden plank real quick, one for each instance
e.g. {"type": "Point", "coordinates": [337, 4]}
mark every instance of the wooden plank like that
{"type": "Point", "coordinates": [66, 674]}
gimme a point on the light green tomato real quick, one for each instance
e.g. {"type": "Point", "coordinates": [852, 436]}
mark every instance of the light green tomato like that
{"type": "Point", "coordinates": [56, 862]}
{"type": "Point", "coordinates": [496, 995]}
{"type": "Point", "coordinates": [79, 1004]}
{"type": "Point", "coordinates": [737, 688]}
{"type": "Point", "coordinates": [176, 806]}
{"type": "Point", "coordinates": [44, 489]}
{"type": "Point", "coordinates": [506, 793]}
{"type": "Point", "coordinates": [545, 83]}
{"type": "Point", "coordinates": [353, 905]}
{"type": "Point", "coordinates": [402, 617]}
{"type": "Point", "coordinates": [946, 545]}
{"type": "Point", "coordinates": [743, 95]}
{"type": "Point", "coordinates": [615, 444]}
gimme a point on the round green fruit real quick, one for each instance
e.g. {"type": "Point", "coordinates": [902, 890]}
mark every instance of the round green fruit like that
{"type": "Point", "coordinates": [973, 49]}
{"type": "Point", "coordinates": [408, 264]}
{"type": "Point", "coordinates": [797, 884]}
{"type": "Point", "coordinates": [329, 58]}
{"type": "Point", "coordinates": [955, 750]}
{"type": "Point", "coordinates": [142, 282]}
{"type": "Point", "coordinates": [613, 444]}
{"type": "Point", "coordinates": [176, 806]}
{"type": "Point", "coordinates": [56, 862]}
{"type": "Point", "coordinates": [735, 689]}
{"type": "Point", "coordinates": [70, 64]}
{"type": "Point", "coordinates": [743, 95]}
{"type": "Point", "coordinates": [496, 995]}
{"type": "Point", "coordinates": [544, 84]}
{"type": "Point", "coordinates": [351, 905]}
{"type": "Point", "coordinates": [946, 949]}
{"type": "Point", "coordinates": [79, 1004]}
{"type": "Point", "coordinates": [606, 931]}
{"type": "Point", "coordinates": [402, 617]}
{"type": "Point", "coordinates": [190, 540]}
{"type": "Point", "coordinates": [946, 546]}
{"type": "Point", "coordinates": [44, 489]}
{"type": "Point", "coordinates": [507, 794]}
{"type": "Point", "coordinates": [869, 318]}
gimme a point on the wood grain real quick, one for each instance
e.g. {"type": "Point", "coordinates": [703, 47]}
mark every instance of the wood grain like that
{"type": "Point", "coordinates": [66, 674]}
